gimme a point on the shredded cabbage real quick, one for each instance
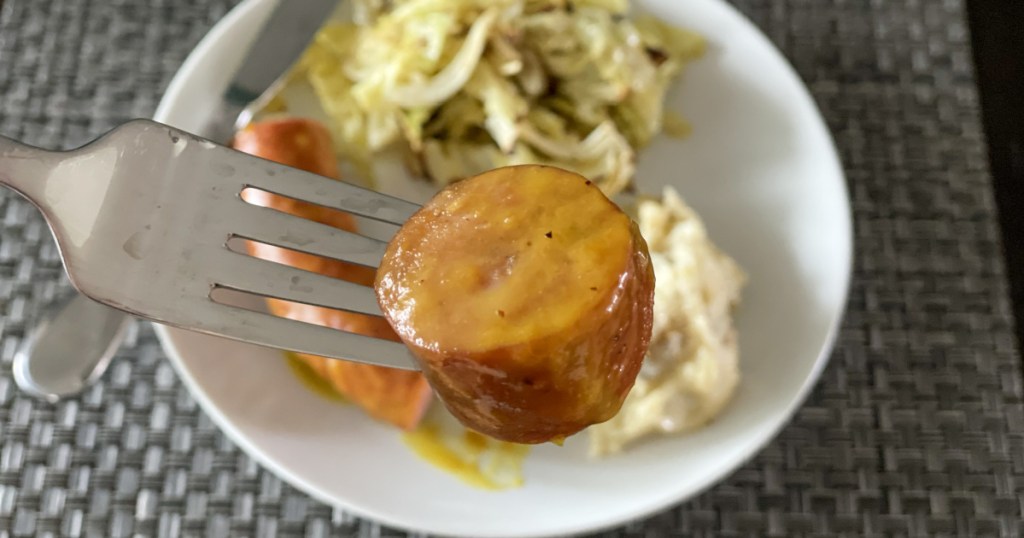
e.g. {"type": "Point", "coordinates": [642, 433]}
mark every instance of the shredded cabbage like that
{"type": "Point", "coordinates": [468, 85]}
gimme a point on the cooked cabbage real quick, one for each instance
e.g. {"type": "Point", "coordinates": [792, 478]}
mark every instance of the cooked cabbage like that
{"type": "Point", "coordinates": [468, 85]}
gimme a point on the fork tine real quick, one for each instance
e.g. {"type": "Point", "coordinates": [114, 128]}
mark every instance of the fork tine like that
{"type": "Point", "coordinates": [296, 233]}
{"type": "Point", "coordinates": [262, 277]}
{"type": "Point", "coordinates": [300, 337]}
{"type": "Point", "coordinates": [294, 183]}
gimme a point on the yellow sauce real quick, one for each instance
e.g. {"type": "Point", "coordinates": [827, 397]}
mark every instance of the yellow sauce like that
{"type": "Point", "coordinates": [675, 126]}
{"type": "Point", "coordinates": [474, 458]}
{"type": "Point", "coordinates": [312, 380]}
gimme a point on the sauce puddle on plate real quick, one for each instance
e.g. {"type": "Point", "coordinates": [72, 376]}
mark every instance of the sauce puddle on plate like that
{"type": "Point", "coordinates": [476, 459]}
{"type": "Point", "coordinates": [441, 441]}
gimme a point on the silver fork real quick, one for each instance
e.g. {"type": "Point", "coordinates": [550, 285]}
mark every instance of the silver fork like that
{"type": "Point", "coordinates": [145, 216]}
{"type": "Point", "coordinates": [74, 340]}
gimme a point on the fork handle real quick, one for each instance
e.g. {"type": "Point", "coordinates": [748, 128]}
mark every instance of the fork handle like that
{"type": "Point", "coordinates": [25, 168]}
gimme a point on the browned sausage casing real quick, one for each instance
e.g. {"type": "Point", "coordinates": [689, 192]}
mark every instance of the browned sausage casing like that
{"type": "Point", "coordinates": [527, 297]}
{"type": "Point", "coordinates": [395, 396]}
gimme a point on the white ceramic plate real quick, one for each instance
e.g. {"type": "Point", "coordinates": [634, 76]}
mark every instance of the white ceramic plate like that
{"type": "Point", "coordinates": [761, 169]}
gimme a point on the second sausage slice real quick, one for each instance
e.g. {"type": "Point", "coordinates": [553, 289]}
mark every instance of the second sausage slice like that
{"type": "Point", "coordinates": [395, 396]}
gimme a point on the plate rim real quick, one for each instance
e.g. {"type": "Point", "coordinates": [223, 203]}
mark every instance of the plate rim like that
{"type": "Point", "coordinates": [182, 78]}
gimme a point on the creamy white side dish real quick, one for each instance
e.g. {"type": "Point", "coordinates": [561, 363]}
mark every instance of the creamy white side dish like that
{"type": "Point", "coordinates": [692, 365]}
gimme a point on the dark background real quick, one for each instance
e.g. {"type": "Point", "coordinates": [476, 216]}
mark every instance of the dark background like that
{"type": "Point", "coordinates": [997, 37]}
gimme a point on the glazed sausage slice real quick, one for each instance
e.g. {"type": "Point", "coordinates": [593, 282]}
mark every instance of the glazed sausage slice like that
{"type": "Point", "coordinates": [527, 297]}
{"type": "Point", "coordinates": [395, 396]}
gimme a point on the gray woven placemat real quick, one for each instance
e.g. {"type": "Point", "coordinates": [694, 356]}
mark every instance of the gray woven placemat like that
{"type": "Point", "coordinates": [916, 428]}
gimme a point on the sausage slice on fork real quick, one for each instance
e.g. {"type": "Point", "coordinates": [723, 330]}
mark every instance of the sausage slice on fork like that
{"type": "Point", "coordinates": [527, 297]}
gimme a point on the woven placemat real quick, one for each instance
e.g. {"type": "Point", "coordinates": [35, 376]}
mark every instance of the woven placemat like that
{"type": "Point", "coordinates": [915, 429]}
